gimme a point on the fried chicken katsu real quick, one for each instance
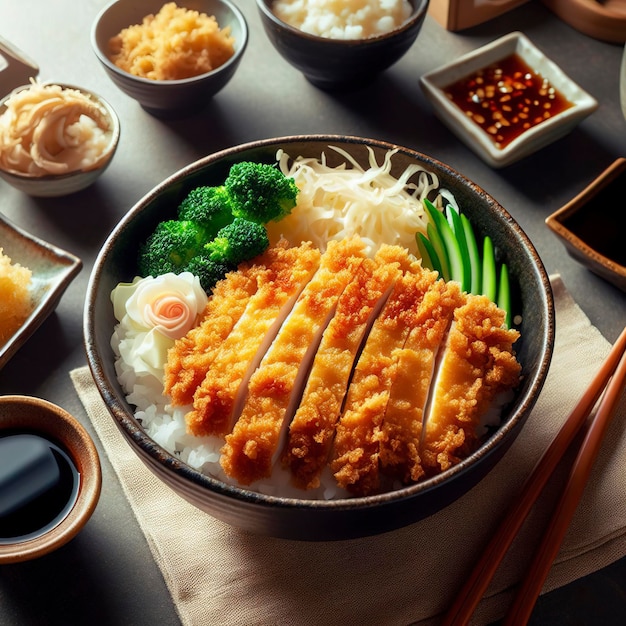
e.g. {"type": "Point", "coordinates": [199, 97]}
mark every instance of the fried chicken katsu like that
{"type": "Point", "coordinates": [312, 428]}
{"type": "Point", "coordinates": [276, 386]}
{"type": "Point", "coordinates": [217, 401]}
{"type": "Point", "coordinates": [374, 370]}
{"type": "Point", "coordinates": [409, 393]}
{"type": "Point", "coordinates": [355, 455]}
{"type": "Point", "coordinates": [478, 363]}
{"type": "Point", "coordinates": [190, 358]}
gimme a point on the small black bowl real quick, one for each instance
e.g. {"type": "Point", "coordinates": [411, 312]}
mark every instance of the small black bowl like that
{"type": "Point", "coordinates": [341, 63]}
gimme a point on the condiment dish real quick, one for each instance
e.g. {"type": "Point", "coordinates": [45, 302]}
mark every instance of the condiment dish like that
{"type": "Point", "coordinates": [337, 64]}
{"type": "Point", "coordinates": [64, 501]}
{"type": "Point", "coordinates": [52, 270]}
{"type": "Point", "coordinates": [527, 138]}
{"type": "Point", "coordinates": [306, 518]}
{"type": "Point", "coordinates": [589, 225]}
{"type": "Point", "coordinates": [168, 98]}
{"type": "Point", "coordinates": [53, 185]}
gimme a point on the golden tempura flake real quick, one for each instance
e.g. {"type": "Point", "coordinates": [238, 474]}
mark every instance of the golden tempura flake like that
{"type": "Point", "coordinates": [15, 298]}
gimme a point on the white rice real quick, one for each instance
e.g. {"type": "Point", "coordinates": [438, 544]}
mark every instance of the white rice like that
{"type": "Point", "coordinates": [165, 424]}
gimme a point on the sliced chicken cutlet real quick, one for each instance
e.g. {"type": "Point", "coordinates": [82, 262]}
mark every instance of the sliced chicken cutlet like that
{"type": "Point", "coordinates": [189, 359]}
{"type": "Point", "coordinates": [477, 364]}
{"type": "Point", "coordinates": [312, 429]}
{"type": "Point", "coordinates": [355, 455]}
{"type": "Point", "coordinates": [218, 399]}
{"type": "Point", "coordinates": [408, 396]}
{"type": "Point", "coordinates": [275, 387]}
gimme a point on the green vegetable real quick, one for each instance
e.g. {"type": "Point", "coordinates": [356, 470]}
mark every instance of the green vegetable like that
{"type": "Point", "coordinates": [208, 271]}
{"type": "Point", "coordinates": [260, 192]}
{"type": "Point", "coordinates": [476, 271]}
{"type": "Point", "coordinates": [489, 281]}
{"type": "Point", "coordinates": [504, 293]}
{"type": "Point", "coordinates": [449, 242]}
{"type": "Point", "coordinates": [450, 247]}
{"type": "Point", "coordinates": [223, 224]}
{"type": "Point", "coordinates": [170, 247]}
{"type": "Point", "coordinates": [208, 206]}
{"type": "Point", "coordinates": [239, 241]}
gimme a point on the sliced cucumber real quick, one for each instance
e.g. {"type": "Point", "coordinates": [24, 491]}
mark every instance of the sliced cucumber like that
{"type": "Point", "coordinates": [489, 280]}
{"type": "Point", "coordinates": [473, 254]}
{"type": "Point", "coordinates": [448, 241]}
{"type": "Point", "coordinates": [504, 293]}
{"type": "Point", "coordinates": [457, 227]}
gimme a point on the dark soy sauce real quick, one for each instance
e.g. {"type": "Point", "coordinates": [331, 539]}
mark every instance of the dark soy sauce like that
{"type": "Point", "coordinates": [40, 514]}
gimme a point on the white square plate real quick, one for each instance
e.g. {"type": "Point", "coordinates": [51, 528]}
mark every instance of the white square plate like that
{"type": "Point", "coordinates": [435, 82]}
{"type": "Point", "coordinates": [52, 270]}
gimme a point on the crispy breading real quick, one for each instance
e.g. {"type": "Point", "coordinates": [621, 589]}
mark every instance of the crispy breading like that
{"type": "Point", "coordinates": [217, 400]}
{"type": "Point", "coordinates": [275, 387]}
{"type": "Point", "coordinates": [355, 456]}
{"type": "Point", "coordinates": [478, 363]}
{"type": "Point", "coordinates": [402, 424]}
{"type": "Point", "coordinates": [190, 358]}
{"type": "Point", "coordinates": [312, 429]}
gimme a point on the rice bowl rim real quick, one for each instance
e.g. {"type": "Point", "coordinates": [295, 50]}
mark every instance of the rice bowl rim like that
{"type": "Point", "coordinates": [418, 8]}
{"type": "Point", "coordinates": [517, 410]}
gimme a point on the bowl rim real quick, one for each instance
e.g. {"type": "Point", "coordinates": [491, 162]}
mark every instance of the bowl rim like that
{"type": "Point", "coordinates": [84, 454]}
{"type": "Point", "coordinates": [419, 8]}
{"type": "Point", "coordinates": [151, 451]}
{"type": "Point", "coordinates": [435, 81]}
{"type": "Point", "coordinates": [104, 160]}
{"type": "Point", "coordinates": [240, 48]}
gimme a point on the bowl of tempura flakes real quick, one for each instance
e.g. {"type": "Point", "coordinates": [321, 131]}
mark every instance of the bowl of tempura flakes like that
{"type": "Point", "coordinates": [319, 337]}
{"type": "Point", "coordinates": [172, 59]}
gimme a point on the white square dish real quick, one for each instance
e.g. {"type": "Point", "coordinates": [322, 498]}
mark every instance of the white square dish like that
{"type": "Point", "coordinates": [52, 270]}
{"type": "Point", "coordinates": [436, 83]}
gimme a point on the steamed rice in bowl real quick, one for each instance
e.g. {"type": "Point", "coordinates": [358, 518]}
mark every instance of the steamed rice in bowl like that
{"type": "Point", "coordinates": [334, 203]}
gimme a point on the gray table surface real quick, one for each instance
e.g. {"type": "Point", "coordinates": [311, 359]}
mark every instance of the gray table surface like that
{"type": "Point", "coordinates": [106, 575]}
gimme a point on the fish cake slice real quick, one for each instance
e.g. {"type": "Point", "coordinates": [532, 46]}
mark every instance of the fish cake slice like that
{"type": "Point", "coordinates": [275, 387]}
{"type": "Point", "coordinates": [477, 364]}
{"type": "Point", "coordinates": [312, 429]}
{"type": "Point", "coordinates": [218, 398]}
{"type": "Point", "coordinates": [355, 456]}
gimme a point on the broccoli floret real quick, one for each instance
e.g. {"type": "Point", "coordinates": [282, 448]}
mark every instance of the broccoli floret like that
{"type": "Point", "coordinates": [260, 192]}
{"type": "Point", "coordinates": [208, 271]}
{"type": "Point", "coordinates": [208, 206]}
{"type": "Point", "coordinates": [170, 247]}
{"type": "Point", "coordinates": [240, 241]}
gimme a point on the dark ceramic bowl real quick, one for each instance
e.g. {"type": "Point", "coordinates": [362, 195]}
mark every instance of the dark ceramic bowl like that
{"type": "Point", "coordinates": [168, 98]}
{"type": "Point", "coordinates": [313, 519]}
{"type": "Point", "coordinates": [341, 64]}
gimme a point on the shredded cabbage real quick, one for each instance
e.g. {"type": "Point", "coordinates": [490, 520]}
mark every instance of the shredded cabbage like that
{"type": "Point", "coordinates": [336, 202]}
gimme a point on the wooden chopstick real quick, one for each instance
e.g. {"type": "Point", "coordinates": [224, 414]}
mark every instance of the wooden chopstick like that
{"type": "Point", "coordinates": [477, 582]}
{"type": "Point", "coordinates": [527, 594]}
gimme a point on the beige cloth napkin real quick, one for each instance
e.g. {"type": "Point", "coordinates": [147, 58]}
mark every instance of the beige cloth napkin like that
{"type": "Point", "coordinates": [221, 575]}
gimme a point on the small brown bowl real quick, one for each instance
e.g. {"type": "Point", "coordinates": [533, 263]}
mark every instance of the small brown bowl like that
{"type": "Point", "coordinates": [588, 225]}
{"type": "Point", "coordinates": [34, 416]}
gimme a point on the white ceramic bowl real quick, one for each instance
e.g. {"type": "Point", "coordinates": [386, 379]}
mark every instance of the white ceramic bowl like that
{"type": "Point", "coordinates": [64, 184]}
{"type": "Point", "coordinates": [168, 98]}
{"type": "Point", "coordinates": [435, 83]}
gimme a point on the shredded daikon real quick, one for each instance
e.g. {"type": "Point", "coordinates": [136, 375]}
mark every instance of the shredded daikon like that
{"type": "Point", "coordinates": [336, 202]}
{"type": "Point", "coordinates": [49, 129]}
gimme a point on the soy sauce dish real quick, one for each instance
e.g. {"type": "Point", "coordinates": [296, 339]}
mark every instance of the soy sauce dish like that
{"type": "Point", "coordinates": [589, 225]}
{"type": "Point", "coordinates": [50, 478]}
{"type": "Point", "coordinates": [506, 99]}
